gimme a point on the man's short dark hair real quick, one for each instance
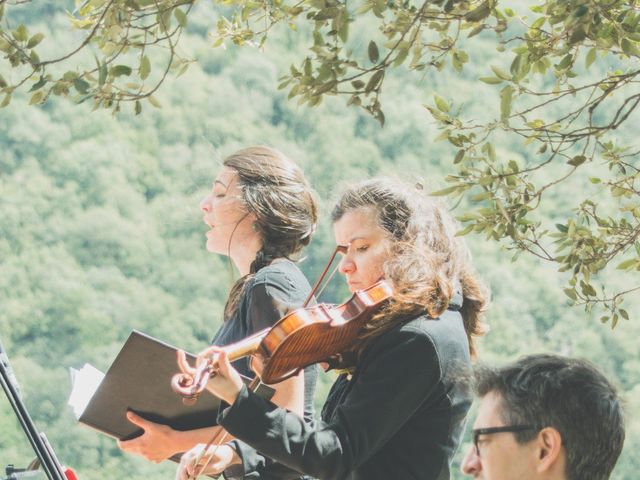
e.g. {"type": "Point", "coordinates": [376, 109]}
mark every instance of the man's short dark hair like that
{"type": "Point", "coordinates": [568, 394]}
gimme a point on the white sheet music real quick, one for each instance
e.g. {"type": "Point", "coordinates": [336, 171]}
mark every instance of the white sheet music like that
{"type": "Point", "coordinates": [84, 383]}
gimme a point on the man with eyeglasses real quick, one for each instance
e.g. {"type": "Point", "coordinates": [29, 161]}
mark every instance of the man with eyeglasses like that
{"type": "Point", "coordinates": [545, 417]}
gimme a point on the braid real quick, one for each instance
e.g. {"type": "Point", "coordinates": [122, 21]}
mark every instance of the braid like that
{"type": "Point", "coordinates": [264, 257]}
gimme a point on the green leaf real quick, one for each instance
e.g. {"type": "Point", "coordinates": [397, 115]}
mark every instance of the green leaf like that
{"type": "Point", "coordinates": [374, 54]}
{"type": "Point", "coordinates": [479, 13]}
{"type": "Point", "coordinates": [145, 66]}
{"type": "Point", "coordinates": [39, 84]}
{"type": "Point", "coordinates": [6, 100]}
{"type": "Point", "coordinates": [401, 57]}
{"type": "Point", "coordinates": [119, 70]}
{"type": "Point", "coordinates": [82, 86]}
{"type": "Point", "coordinates": [343, 31]}
{"type": "Point", "coordinates": [102, 72]}
{"type": "Point", "coordinates": [581, 10]}
{"type": "Point", "coordinates": [375, 79]}
{"type": "Point", "coordinates": [577, 160]}
{"type": "Point", "coordinates": [491, 80]}
{"type": "Point", "coordinates": [591, 57]}
{"type": "Point", "coordinates": [20, 34]}
{"type": "Point", "coordinates": [441, 103]}
{"type": "Point", "coordinates": [506, 97]}
{"type": "Point", "coordinates": [627, 264]}
{"type": "Point", "coordinates": [3, 82]}
{"type": "Point", "coordinates": [465, 230]}
{"type": "Point", "coordinates": [324, 88]}
{"type": "Point", "coordinates": [565, 62]}
{"type": "Point", "coordinates": [445, 191]}
{"type": "Point", "coordinates": [629, 47]}
{"type": "Point", "coordinates": [571, 293]}
{"type": "Point", "coordinates": [476, 30]}
{"type": "Point", "coordinates": [624, 314]}
{"type": "Point", "coordinates": [482, 196]}
{"type": "Point", "coordinates": [35, 40]}
{"type": "Point", "coordinates": [459, 156]}
{"type": "Point", "coordinates": [539, 22]}
{"type": "Point", "coordinates": [36, 98]}
{"type": "Point", "coordinates": [181, 17]}
{"type": "Point", "coordinates": [500, 73]}
{"type": "Point", "coordinates": [154, 102]}
{"type": "Point", "coordinates": [138, 107]}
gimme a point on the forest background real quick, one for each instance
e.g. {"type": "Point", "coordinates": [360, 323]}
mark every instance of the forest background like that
{"type": "Point", "coordinates": [100, 231]}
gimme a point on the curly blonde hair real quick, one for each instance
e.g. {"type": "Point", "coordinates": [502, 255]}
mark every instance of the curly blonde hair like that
{"type": "Point", "coordinates": [427, 262]}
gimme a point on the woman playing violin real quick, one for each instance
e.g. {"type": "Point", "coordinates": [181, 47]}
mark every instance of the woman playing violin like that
{"type": "Point", "coordinates": [400, 412]}
{"type": "Point", "coordinates": [260, 212]}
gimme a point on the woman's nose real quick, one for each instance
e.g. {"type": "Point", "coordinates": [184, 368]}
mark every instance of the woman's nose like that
{"type": "Point", "coordinates": [205, 204]}
{"type": "Point", "coordinates": [346, 265]}
{"type": "Point", "coordinates": [471, 463]}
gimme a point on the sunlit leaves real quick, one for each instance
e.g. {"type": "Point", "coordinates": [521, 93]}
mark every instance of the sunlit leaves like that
{"type": "Point", "coordinates": [35, 40]}
{"type": "Point", "coordinates": [6, 100]}
{"type": "Point", "coordinates": [181, 17]}
{"type": "Point", "coordinates": [115, 29]}
{"type": "Point", "coordinates": [506, 98]}
{"type": "Point", "coordinates": [145, 67]}
{"type": "Point", "coordinates": [441, 103]}
{"type": "Point", "coordinates": [118, 70]}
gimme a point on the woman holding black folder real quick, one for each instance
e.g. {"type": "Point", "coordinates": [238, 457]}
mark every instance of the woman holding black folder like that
{"type": "Point", "coordinates": [260, 213]}
{"type": "Point", "coordinates": [400, 412]}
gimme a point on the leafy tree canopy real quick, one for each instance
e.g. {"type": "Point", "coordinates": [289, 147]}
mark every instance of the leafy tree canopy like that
{"type": "Point", "coordinates": [564, 74]}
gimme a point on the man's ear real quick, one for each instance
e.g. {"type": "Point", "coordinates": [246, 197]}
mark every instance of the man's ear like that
{"type": "Point", "coordinates": [549, 453]}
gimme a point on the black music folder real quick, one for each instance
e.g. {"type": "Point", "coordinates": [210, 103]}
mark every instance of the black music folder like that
{"type": "Point", "coordinates": [139, 379]}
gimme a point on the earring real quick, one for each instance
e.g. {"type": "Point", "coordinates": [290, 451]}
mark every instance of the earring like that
{"type": "Point", "coordinates": [254, 226]}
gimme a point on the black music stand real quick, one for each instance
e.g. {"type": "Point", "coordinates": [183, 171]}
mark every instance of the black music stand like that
{"type": "Point", "coordinates": [38, 440]}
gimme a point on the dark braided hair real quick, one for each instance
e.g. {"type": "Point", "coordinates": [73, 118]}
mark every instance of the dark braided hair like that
{"type": "Point", "coordinates": [275, 190]}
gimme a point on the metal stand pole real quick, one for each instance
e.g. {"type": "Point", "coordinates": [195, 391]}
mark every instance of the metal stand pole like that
{"type": "Point", "coordinates": [38, 440]}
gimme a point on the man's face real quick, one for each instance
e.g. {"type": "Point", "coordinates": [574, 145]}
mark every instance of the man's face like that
{"type": "Point", "coordinates": [499, 455]}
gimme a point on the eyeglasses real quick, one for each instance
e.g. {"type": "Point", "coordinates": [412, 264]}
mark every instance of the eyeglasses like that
{"type": "Point", "coordinates": [491, 430]}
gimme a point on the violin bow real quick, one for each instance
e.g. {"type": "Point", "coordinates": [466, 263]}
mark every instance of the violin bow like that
{"type": "Point", "coordinates": [338, 249]}
{"type": "Point", "coordinates": [217, 439]}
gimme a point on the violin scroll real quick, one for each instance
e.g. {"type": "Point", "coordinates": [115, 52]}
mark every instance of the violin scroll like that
{"type": "Point", "coordinates": [191, 382]}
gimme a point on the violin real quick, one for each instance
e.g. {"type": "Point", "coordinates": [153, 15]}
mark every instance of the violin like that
{"type": "Point", "coordinates": [305, 336]}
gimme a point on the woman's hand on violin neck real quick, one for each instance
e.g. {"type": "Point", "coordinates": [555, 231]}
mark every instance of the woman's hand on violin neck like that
{"type": "Point", "coordinates": [155, 444]}
{"type": "Point", "coordinates": [225, 382]}
{"type": "Point", "coordinates": [217, 459]}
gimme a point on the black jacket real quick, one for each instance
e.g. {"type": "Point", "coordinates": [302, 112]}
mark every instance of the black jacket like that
{"type": "Point", "coordinates": [400, 416]}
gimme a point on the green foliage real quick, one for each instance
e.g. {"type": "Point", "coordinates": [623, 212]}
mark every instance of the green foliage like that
{"type": "Point", "coordinates": [101, 231]}
{"type": "Point", "coordinates": [564, 114]}
{"type": "Point", "coordinates": [567, 90]}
